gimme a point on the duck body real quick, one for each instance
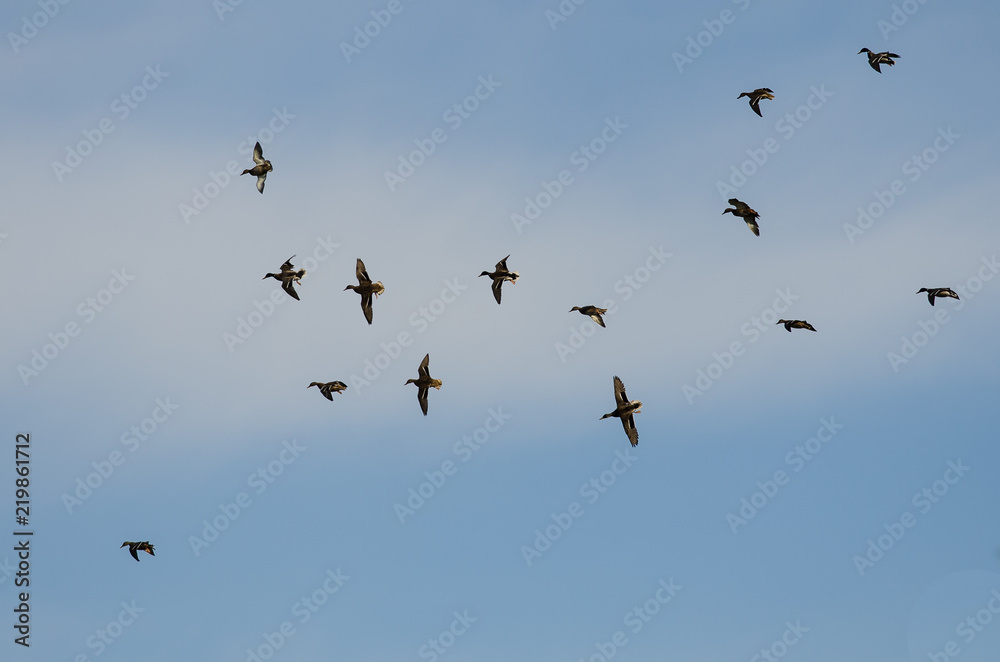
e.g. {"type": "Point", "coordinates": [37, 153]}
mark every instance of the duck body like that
{"type": "Point", "coordinates": [624, 410]}
{"type": "Point", "coordinates": [593, 312]}
{"type": "Point", "coordinates": [135, 547]}
{"type": "Point", "coordinates": [366, 288]}
{"type": "Point", "coordinates": [744, 211]}
{"type": "Point", "coordinates": [875, 60]}
{"type": "Point", "coordinates": [796, 324]}
{"type": "Point", "coordinates": [499, 276]}
{"type": "Point", "coordinates": [261, 169]}
{"type": "Point", "coordinates": [756, 96]}
{"type": "Point", "coordinates": [424, 383]}
{"type": "Point", "coordinates": [329, 388]}
{"type": "Point", "coordinates": [938, 292]}
{"type": "Point", "coordinates": [288, 276]}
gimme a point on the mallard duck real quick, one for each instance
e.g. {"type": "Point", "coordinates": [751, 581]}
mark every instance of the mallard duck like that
{"type": "Point", "coordinates": [593, 312]}
{"type": "Point", "coordinates": [261, 169]}
{"type": "Point", "coordinates": [424, 382]}
{"type": "Point", "coordinates": [366, 288]}
{"type": "Point", "coordinates": [743, 210]}
{"type": "Point", "coordinates": [499, 276]}
{"type": "Point", "coordinates": [875, 59]}
{"type": "Point", "coordinates": [624, 410]}
{"type": "Point", "coordinates": [134, 547]}
{"type": "Point", "coordinates": [288, 277]}
{"type": "Point", "coordinates": [795, 324]}
{"type": "Point", "coordinates": [756, 96]}
{"type": "Point", "coordinates": [329, 388]}
{"type": "Point", "coordinates": [938, 292]}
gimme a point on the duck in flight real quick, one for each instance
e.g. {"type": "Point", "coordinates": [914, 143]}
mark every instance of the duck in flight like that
{"type": "Point", "coordinates": [939, 292]}
{"type": "Point", "coordinates": [424, 382]}
{"type": "Point", "coordinates": [624, 410]}
{"type": "Point", "coordinates": [366, 288]}
{"type": "Point", "coordinates": [795, 324]}
{"type": "Point", "coordinates": [756, 96]}
{"type": "Point", "coordinates": [329, 388]}
{"type": "Point", "coordinates": [876, 59]}
{"type": "Point", "coordinates": [593, 312]}
{"type": "Point", "coordinates": [261, 169]}
{"type": "Point", "coordinates": [134, 547]}
{"type": "Point", "coordinates": [288, 276]}
{"type": "Point", "coordinates": [743, 210]}
{"type": "Point", "coordinates": [499, 276]}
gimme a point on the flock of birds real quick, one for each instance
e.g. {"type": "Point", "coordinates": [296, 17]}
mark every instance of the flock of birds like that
{"type": "Point", "coordinates": [625, 409]}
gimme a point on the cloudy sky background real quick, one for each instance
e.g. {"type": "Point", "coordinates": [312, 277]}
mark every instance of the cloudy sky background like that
{"type": "Point", "coordinates": [654, 189]}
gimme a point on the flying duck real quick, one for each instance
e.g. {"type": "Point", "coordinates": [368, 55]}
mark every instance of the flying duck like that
{"type": "Point", "coordinates": [624, 410]}
{"type": "Point", "coordinates": [938, 292]}
{"type": "Point", "coordinates": [756, 96]}
{"type": "Point", "coordinates": [875, 59]}
{"type": "Point", "coordinates": [329, 388]}
{"type": "Point", "coordinates": [261, 169]}
{"type": "Point", "coordinates": [743, 210]}
{"type": "Point", "coordinates": [593, 312]}
{"type": "Point", "coordinates": [288, 277]}
{"type": "Point", "coordinates": [366, 288]}
{"type": "Point", "coordinates": [424, 382]}
{"type": "Point", "coordinates": [499, 276]}
{"type": "Point", "coordinates": [795, 324]}
{"type": "Point", "coordinates": [134, 547]}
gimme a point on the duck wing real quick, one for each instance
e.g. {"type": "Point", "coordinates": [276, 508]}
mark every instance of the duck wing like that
{"type": "Point", "coordinates": [755, 104]}
{"type": "Point", "coordinates": [620, 397]}
{"type": "Point", "coordinates": [597, 318]}
{"type": "Point", "coordinates": [258, 154]}
{"type": "Point", "coordinates": [497, 284]}
{"type": "Point", "coordinates": [260, 181]}
{"type": "Point", "coordinates": [629, 424]}
{"type": "Point", "coordinates": [362, 273]}
{"type": "Point", "coordinates": [132, 549]}
{"type": "Point", "coordinates": [288, 266]}
{"type": "Point", "coordinates": [424, 370]}
{"type": "Point", "coordinates": [752, 224]}
{"type": "Point", "coordinates": [288, 285]}
{"type": "Point", "coordinates": [738, 204]}
{"type": "Point", "coordinates": [325, 390]}
{"type": "Point", "coordinates": [422, 398]}
{"type": "Point", "coordinates": [366, 305]}
{"type": "Point", "coordinates": [502, 264]}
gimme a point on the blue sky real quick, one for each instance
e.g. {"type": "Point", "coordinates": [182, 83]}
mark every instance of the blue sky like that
{"type": "Point", "coordinates": [776, 499]}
